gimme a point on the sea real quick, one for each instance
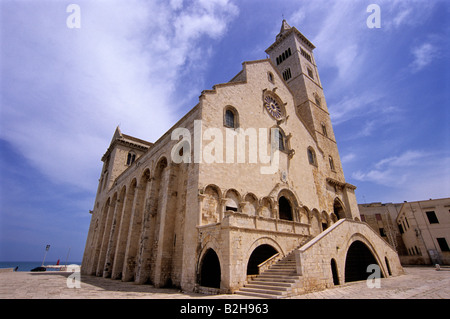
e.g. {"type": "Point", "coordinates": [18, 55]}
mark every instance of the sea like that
{"type": "Point", "coordinates": [28, 265]}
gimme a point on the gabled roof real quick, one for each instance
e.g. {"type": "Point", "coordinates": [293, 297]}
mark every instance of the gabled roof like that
{"type": "Point", "coordinates": [123, 139]}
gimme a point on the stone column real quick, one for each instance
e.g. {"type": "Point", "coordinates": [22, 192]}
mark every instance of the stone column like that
{"type": "Point", "coordinates": [110, 252]}
{"type": "Point", "coordinates": [123, 234]}
{"type": "Point", "coordinates": [162, 212]}
{"type": "Point", "coordinates": [106, 236]}
{"type": "Point", "coordinates": [97, 241]}
{"type": "Point", "coordinates": [145, 247]}
{"type": "Point", "coordinates": [201, 197]}
{"type": "Point", "coordinates": [133, 237]}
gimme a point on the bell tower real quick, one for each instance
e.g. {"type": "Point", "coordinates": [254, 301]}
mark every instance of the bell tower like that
{"type": "Point", "coordinates": [292, 54]}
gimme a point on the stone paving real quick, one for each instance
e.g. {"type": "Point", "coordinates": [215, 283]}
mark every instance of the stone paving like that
{"type": "Point", "coordinates": [417, 283]}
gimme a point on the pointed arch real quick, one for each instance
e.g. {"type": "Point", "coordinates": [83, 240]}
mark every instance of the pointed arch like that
{"type": "Point", "coordinates": [339, 208]}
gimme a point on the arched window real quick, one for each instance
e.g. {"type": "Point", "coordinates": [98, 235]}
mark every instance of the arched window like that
{"type": "Point", "coordinates": [330, 159]}
{"type": "Point", "coordinates": [311, 156]}
{"type": "Point", "coordinates": [231, 118]}
{"type": "Point", "coordinates": [131, 158]}
{"type": "Point", "coordinates": [280, 139]}
{"type": "Point", "coordinates": [284, 208]}
{"type": "Point", "coordinates": [324, 129]}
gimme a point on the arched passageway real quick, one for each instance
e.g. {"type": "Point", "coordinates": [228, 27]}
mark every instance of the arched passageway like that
{"type": "Point", "coordinates": [210, 270]}
{"type": "Point", "coordinates": [260, 254]}
{"type": "Point", "coordinates": [359, 257]}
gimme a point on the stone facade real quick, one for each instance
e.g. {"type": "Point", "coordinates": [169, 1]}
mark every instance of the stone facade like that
{"type": "Point", "coordinates": [253, 170]}
{"type": "Point", "coordinates": [425, 228]}
{"type": "Point", "coordinates": [381, 217]}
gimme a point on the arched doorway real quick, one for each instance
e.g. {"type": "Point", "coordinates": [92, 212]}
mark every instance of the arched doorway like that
{"type": "Point", "coordinates": [359, 257]}
{"type": "Point", "coordinates": [260, 254]}
{"type": "Point", "coordinates": [338, 209]}
{"type": "Point", "coordinates": [210, 270]}
{"type": "Point", "coordinates": [284, 208]}
{"type": "Point", "coordinates": [387, 265]}
{"type": "Point", "coordinates": [334, 272]}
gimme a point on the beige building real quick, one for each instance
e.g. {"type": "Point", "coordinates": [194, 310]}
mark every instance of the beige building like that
{"type": "Point", "coordinates": [382, 218]}
{"type": "Point", "coordinates": [425, 228]}
{"type": "Point", "coordinates": [244, 194]}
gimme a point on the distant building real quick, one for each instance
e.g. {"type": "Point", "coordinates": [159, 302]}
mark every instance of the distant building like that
{"type": "Point", "coordinates": [419, 231]}
{"type": "Point", "coordinates": [381, 217]}
{"type": "Point", "coordinates": [425, 228]}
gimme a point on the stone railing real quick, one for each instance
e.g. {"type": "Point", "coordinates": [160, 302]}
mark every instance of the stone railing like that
{"type": "Point", "coordinates": [267, 263]}
{"type": "Point", "coordinates": [252, 222]}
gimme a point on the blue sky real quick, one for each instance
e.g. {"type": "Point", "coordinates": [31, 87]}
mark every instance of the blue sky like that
{"type": "Point", "coordinates": [143, 64]}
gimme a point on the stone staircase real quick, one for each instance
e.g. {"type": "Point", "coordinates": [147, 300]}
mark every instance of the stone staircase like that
{"type": "Point", "coordinates": [275, 282]}
{"type": "Point", "coordinates": [280, 280]}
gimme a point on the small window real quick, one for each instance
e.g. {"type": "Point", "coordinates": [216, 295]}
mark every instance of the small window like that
{"type": "Point", "coordinates": [382, 232]}
{"type": "Point", "coordinates": [324, 130]}
{"type": "Point", "coordinates": [280, 138]}
{"type": "Point", "coordinates": [231, 119]}
{"type": "Point", "coordinates": [443, 244]}
{"type": "Point", "coordinates": [378, 216]}
{"type": "Point", "coordinates": [310, 73]}
{"type": "Point", "coordinates": [330, 160]}
{"type": "Point", "coordinates": [131, 158]}
{"type": "Point", "coordinates": [317, 98]}
{"type": "Point", "coordinates": [270, 76]}
{"type": "Point", "coordinates": [400, 228]}
{"type": "Point", "coordinates": [287, 74]}
{"type": "Point", "coordinates": [363, 217]}
{"type": "Point", "coordinates": [432, 217]}
{"type": "Point", "coordinates": [311, 156]}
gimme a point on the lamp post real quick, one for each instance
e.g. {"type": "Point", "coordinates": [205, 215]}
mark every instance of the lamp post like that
{"type": "Point", "coordinates": [46, 249]}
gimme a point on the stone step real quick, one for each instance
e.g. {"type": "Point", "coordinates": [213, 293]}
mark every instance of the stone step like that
{"type": "Point", "coordinates": [283, 272]}
{"type": "Point", "coordinates": [257, 295]}
{"type": "Point", "coordinates": [271, 283]}
{"type": "Point", "coordinates": [283, 266]}
{"type": "Point", "coordinates": [287, 280]}
{"type": "Point", "coordinates": [263, 291]}
{"type": "Point", "coordinates": [266, 286]}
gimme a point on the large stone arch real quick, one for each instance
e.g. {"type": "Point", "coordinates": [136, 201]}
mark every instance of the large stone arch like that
{"type": "Point", "coordinates": [210, 272]}
{"type": "Point", "coordinates": [264, 241]}
{"type": "Point", "coordinates": [359, 253]}
{"type": "Point", "coordinates": [259, 255]}
{"type": "Point", "coordinates": [202, 269]}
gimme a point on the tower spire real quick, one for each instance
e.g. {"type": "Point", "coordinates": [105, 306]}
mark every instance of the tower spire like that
{"type": "Point", "coordinates": [284, 28]}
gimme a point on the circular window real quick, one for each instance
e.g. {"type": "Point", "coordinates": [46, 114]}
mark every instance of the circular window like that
{"type": "Point", "coordinates": [274, 106]}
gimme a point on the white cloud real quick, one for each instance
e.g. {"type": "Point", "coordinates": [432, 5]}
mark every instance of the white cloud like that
{"type": "Point", "coordinates": [65, 90]}
{"type": "Point", "coordinates": [423, 56]}
{"type": "Point", "coordinates": [411, 175]}
{"type": "Point", "coordinates": [408, 158]}
{"type": "Point", "coordinates": [347, 158]}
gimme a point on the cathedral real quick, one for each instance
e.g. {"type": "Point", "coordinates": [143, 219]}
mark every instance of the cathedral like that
{"type": "Point", "coordinates": [245, 194]}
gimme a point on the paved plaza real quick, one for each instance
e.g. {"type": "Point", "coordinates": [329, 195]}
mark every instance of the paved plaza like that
{"type": "Point", "coordinates": [416, 283]}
